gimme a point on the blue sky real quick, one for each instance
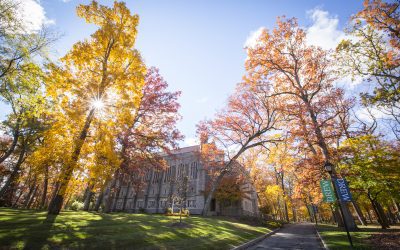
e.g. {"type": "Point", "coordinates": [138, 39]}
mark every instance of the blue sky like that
{"type": "Point", "coordinates": [199, 45]}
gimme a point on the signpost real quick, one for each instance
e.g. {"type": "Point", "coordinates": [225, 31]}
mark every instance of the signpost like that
{"type": "Point", "coordinates": [340, 191]}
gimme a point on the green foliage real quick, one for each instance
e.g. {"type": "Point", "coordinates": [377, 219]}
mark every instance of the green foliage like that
{"type": "Point", "coordinates": [76, 205]}
{"type": "Point", "coordinates": [371, 165]}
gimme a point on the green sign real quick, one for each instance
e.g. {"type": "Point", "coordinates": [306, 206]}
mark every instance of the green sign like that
{"type": "Point", "coordinates": [327, 191]}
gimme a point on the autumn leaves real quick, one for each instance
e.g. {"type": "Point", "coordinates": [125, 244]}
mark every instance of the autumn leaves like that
{"type": "Point", "coordinates": [106, 111]}
{"type": "Point", "coordinates": [289, 96]}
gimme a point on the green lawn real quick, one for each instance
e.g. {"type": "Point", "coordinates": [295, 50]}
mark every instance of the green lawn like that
{"type": "Point", "coordinates": [336, 238]}
{"type": "Point", "coordinates": [83, 230]}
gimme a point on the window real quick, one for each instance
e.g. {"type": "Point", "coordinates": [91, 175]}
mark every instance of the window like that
{"type": "Point", "coordinates": [193, 170]}
{"type": "Point", "coordinates": [180, 170]}
{"type": "Point", "coordinates": [163, 203]}
{"type": "Point", "coordinates": [191, 203]}
{"type": "Point", "coordinates": [140, 204]}
{"type": "Point", "coordinates": [186, 169]}
{"type": "Point", "coordinates": [168, 174]}
{"type": "Point", "coordinates": [152, 204]}
{"type": "Point", "coordinates": [148, 175]}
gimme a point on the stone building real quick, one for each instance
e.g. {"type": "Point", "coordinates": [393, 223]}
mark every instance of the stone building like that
{"type": "Point", "coordinates": [154, 196]}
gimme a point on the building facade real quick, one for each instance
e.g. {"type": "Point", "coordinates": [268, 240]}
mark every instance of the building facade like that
{"type": "Point", "coordinates": [158, 188]}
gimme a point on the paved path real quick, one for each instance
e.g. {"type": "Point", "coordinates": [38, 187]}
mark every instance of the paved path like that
{"type": "Point", "coordinates": [292, 236]}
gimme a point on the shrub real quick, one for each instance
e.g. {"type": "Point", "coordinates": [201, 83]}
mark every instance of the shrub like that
{"type": "Point", "coordinates": [76, 205]}
{"type": "Point", "coordinates": [185, 212]}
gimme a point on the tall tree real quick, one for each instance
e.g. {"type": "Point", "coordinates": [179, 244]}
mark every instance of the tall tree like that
{"type": "Point", "coordinates": [100, 79]}
{"type": "Point", "coordinates": [372, 52]}
{"type": "Point", "coordinates": [374, 170]}
{"type": "Point", "coordinates": [248, 121]}
{"type": "Point", "coordinates": [18, 43]}
{"type": "Point", "coordinates": [153, 131]}
{"type": "Point", "coordinates": [27, 121]}
{"type": "Point", "coordinates": [301, 76]}
{"type": "Point", "coordinates": [19, 71]}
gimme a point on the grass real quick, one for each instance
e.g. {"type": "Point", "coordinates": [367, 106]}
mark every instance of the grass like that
{"type": "Point", "coordinates": [336, 238]}
{"type": "Point", "coordinates": [86, 230]}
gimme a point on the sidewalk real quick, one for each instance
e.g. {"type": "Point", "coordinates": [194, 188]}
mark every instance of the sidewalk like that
{"type": "Point", "coordinates": [292, 236]}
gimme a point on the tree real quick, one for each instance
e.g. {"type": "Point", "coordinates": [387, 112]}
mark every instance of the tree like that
{"type": "Point", "coordinates": [248, 121]}
{"type": "Point", "coordinates": [18, 44]}
{"type": "Point", "coordinates": [27, 121]}
{"type": "Point", "coordinates": [153, 131]}
{"type": "Point", "coordinates": [19, 68]}
{"type": "Point", "coordinates": [282, 65]}
{"type": "Point", "coordinates": [179, 198]}
{"type": "Point", "coordinates": [373, 170]}
{"type": "Point", "coordinates": [372, 52]}
{"type": "Point", "coordinates": [100, 80]}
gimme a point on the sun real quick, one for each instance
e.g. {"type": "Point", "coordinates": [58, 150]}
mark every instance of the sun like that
{"type": "Point", "coordinates": [97, 104]}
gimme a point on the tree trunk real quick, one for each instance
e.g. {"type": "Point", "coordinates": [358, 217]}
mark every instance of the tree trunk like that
{"type": "Point", "coordinates": [294, 213]}
{"type": "Point", "coordinates": [285, 210]}
{"type": "Point", "coordinates": [99, 201]}
{"type": "Point", "coordinates": [54, 191]}
{"type": "Point", "coordinates": [379, 216]}
{"type": "Point", "coordinates": [19, 197]}
{"type": "Point", "coordinates": [397, 210]}
{"type": "Point", "coordinates": [338, 217]}
{"type": "Point", "coordinates": [67, 202]}
{"type": "Point", "coordinates": [286, 213]}
{"type": "Point", "coordinates": [333, 215]}
{"type": "Point", "coordinates": [14, 173]}
{"type": "Point", "coordinates": [369, 215]}
{"type": "Point", "coordinates": [13, 144]}
{"type": "Point", "coordinates": [348, 218]}
{"type": "Point", "coordinates": [109, 192]}
{"type": "Point", "coordinates": [56, 204]}
{"type": "Point", "coordinates": [45, 185]}
{"type": "Point", "coordinates": [118, 193]}
{"type": "Point", "coordinates": [28, 196]}
{"type": "Point", "coordinates": [308, 210]}
{"type": "Point", "coordinates": [126, 196]}
{"type": "Point", "coordinates": [360, 215]}
{"type": "Point", "coordinates": [88, 197]}
{"type": "Point", "coordinates": [32, 198]}
{"type": "Point", "coordinates": [135, 201]}
{"type": "Point", "coordinates": [382, 213]}
{"type": "Point", "coordinates": [210, 195]}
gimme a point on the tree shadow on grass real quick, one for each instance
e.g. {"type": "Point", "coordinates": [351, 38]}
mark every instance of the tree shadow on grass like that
{"type": "Point", "coordinates": [37, 238]}
{"type": "Point", "coordinates": [125, 231]}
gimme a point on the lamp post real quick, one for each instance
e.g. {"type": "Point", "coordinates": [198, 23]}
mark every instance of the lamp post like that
{"type": "Point", "coordinates": [329, 168]}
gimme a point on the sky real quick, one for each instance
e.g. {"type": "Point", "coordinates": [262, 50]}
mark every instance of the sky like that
{"type": "Point", "coordinates": [198, 45]}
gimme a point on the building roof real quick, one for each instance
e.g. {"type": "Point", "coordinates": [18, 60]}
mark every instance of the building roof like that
{"type": "Point", "coordinates": [183, 150]}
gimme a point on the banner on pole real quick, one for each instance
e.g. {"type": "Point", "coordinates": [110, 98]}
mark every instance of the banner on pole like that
{"type": "Point", "coordinates": [343, 189]}
{"type": "Point", "coordinates": [327, 191]}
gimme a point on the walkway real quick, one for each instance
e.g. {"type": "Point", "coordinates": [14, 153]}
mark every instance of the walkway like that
{"type": "Point", "coordinates": [292, 236]}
